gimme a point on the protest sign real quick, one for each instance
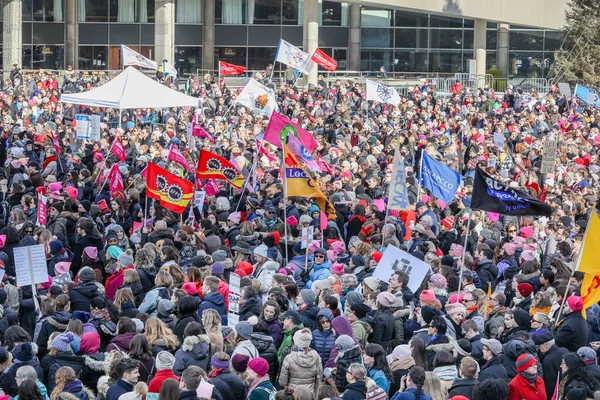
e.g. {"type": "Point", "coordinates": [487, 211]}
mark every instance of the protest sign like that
{"type": "Point", "coordinates": [307, 234]}
{"type": "Point", "coordinates": [394, 260]}
{"type": "Point", "coordinates": [548, 156]}
{"type": "Point", "coordinates": [95, 128]}
{"type": "Point", "coordinates": [498, 140]}
{"type": "Point", "coordinates": [199, 200]}
{"type": "Point", "coordinates": [233, 311]}
{"type": "Point", "coordinates": [30, 265]}
{"type": "Point", "coordinates": [42, 212]}
{"type": "Point", "coordinates": [83, 126]}
{"type": "Point", "coordinates": [398, 199]}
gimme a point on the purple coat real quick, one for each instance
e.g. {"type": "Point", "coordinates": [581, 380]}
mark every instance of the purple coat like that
{"type": "Point", "coordinates": [275, 331]}
{"type": "Point", "coordinates": [121, 342]}
{"type": "Point", "coordinates": [341, 326]}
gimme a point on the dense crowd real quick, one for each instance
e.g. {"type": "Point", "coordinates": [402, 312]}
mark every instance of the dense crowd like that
{"type": "Point", "coordinates": [137, 299]}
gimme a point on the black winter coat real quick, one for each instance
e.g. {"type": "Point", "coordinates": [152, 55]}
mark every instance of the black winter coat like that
{"type": "Point", "coordinates": [353, 355]}
{"type": "Point", "coordinates": [355, 391]}
{"type": "Point", "coordinates": [63, 359]}
{"type": "Point", "coordinates": [492, 370]}
{"type": "Point", "coordinates": [267, 350]}
{"type": "Point", "coordinates": [7, 380]}
{"type": "Point", "coordinates": [86, 241]}
{"type": "Point", "coordinates": [252, 307]}
{"type": "Point", "coordinates": [551, 361]}
{"type": "Point", "coordinates": [229, 385]}
{"type": "Point", "coordinates": [309, 317]}
{"type": "Point", "coordinates": [55, 323]}
{"type": "Point", "coordinates": [462, 387]}
{"type": "Point", "coordinates": [195, 350]}
{"type": "Point", "coordinates": [82, 294]}
{"type": "Point", "coordinates": [27, 310]}
{"type": "Point", "coordinates": [384, 329]}
{"type": "Point", "coordinates": [183, 322]}
{"type": "Point", "coordinates": [488, 273]}
{"type": "Point", "coordinates": [572, 332]}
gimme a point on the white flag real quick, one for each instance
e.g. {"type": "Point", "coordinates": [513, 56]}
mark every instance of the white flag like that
{"type": "Point", "coordinates": [170, 70]}
{"type": "Point", "coordinates": [382, 93]}
{"type": "Point", "coordinates": [258, 98]}
{"type": "Point", "coordinates": [289, 54]}
{"type": "Point", "coordinates": [131, 57]}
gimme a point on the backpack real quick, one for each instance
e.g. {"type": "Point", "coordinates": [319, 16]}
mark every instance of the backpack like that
{"type": "Point", "coordinates": [162, 294]}
{"type": "Point", "coordinates": [150, 373]}
{"type": "Point", "coordinates": [374, 392]}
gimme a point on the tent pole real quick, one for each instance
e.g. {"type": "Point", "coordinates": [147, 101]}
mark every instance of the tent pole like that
{"type": "Point", "coordinates": [119, 117]}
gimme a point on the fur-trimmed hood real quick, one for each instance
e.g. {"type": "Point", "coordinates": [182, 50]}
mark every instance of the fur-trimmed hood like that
{"type": "Point", "coordinates": [69, 396]}
{"type": "Point", "coordinates": [190, 341]}
{"type": "Point", "coordinates": [436, 348]}
{"type": "Point", "coordinates": [104, 383]}
{"type": "Point", "coordinates": [96, 362]}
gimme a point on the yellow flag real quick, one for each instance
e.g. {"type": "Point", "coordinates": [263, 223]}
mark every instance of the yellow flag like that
{"type": "Point", "coordinates": [299, 183]}
{"type": "Point", "coordinates": [588, 262]}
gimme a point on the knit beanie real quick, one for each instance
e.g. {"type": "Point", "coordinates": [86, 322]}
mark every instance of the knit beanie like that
{"type": "Point", "coordinates": [308, 296]}
{"type": "Point", "coordinates": [56, 246]}
{"type": "Point", "coordinates": [353, 298]}
{"type": "Point", "coordinates": [525, 289]}
{"type": "Point", "coordinates": [358, 260]}
{"type": "Point", "coordinates": [164, 361]}
{"type": "Point", "coordinates": [63, 341]}
{"type": "Point", "coordinates": [125, 259]}
{"type": "Point", "coordinates": [217, 268]}
{"type": "Point", "coordinates": [239, 362]}
{"type": "Point", "coordinates": [259, 365]}
{"type": "Point", "coordinates": [218, 364]}
{"type": "Point", "coordinates": [344, 342]}
{"type": "Point", "coordinates": [428, 312]}
{"type": "Point", "coordinates": [575, 303]}
{"type": "Point", "coordinates": [86, 274]}
{"type": "Point", "coordinates": [427, 296]}
{"type": "Point", "coordinates": [525, 361]}
{"type": "Point", "coordinates": [302, 338]}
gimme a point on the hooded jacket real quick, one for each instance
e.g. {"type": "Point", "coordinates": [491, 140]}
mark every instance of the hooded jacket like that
{"type": "Point", "coordinates": [323, 340]}
{"type": "Point", "coordinates": [511, 351]}
{"type": "Point", "coordinates": [267, 350]}
{"type": "Point", "coordinates": [275, 331]}
{"type": "Point", "coordinates": [82, 294]}
{"type": "Point", "coordinates": [195, 350]}
{"type": "Point", "coordinates": [350, 356]}
{"type": "Point", "coordinates": [229, 385]}
{"type": "Point", "coordinates": [308, 316]}
{"type": "Point", "coordinates": [342, 326]}
{"type": "Point", "coordinates": [121, 342]}
{"type": "Point", "coordinates": [319, 272]}
{"type": "Point", "coordinates": [488, 273]}
{"type": "Point", "coordinates": [86, 241]}
{"type": "Point", "coordinates": [301, 368]}
{"type": "Point", "coordinates": [63, 359]}
{"type": "Point", "coordinates": [56, 322]}
{"type": "Point", "coordinates": [214, 301]}
{"type": "Point", "coordinates": [384, 329]}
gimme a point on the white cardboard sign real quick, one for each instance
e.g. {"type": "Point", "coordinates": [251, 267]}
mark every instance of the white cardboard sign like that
{"type": "Point", "coordinates": [30, 265]}
{"type": "Point", "coordinates": [395, 259]}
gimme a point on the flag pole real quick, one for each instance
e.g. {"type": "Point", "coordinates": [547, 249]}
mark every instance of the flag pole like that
{"type": "Point", "coordinates": [462, 262]}
{"type": "Point", "coordinates": [285, 196]}
{"type": "Point", "coordinates": [585, 235]}
{"type": "Point", "coordinates": [419, 177]}
{"type": "Point", "coordinates": [244, 187]}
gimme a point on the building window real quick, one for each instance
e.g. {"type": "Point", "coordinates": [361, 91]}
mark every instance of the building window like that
{"type": "Point", "coordinates": [47, 10]}
{"type": "Point", "coordinates": [527, 40]}
{"type": "Point", "coordinates": [409, 19]}
{"type": "Point", "coordinates": [553, 40]}
{"type": "Point", "coordinates": [27, 10]}
{"type": "Point", "coordinates": [375, 17]}
{"type": "Point", "coordinates": [267, 12]}
{"type": "Point", "coordinates": [445, 61]}
{"type": "Point", "coordinates": [26, 57]}
{"type": "Point", "coordinates": [232, 55]}
{"type": "Point", "coordinates": [289, 10]}
{"type": "Point", "coordinates": [527, 64]}
{"type": "Point", "coordinates": [446, 38]}
{"type": "Point", "coordinates": [48, 57]}
{"type": "Point", "coordinates": [445, 22]}
{"type": "Point", "coordinates": [93, 57]}
{"type": "Point", "coordinates": [188, 12]}
{"type": "Point", "coordinates": [372, 60]}
{"type": "Point", "coordinates": [234, 12]}
{"type": "Point", "coordinates": [93, 11]}
{"type": "Point", "coordinates": [188, 60]}
{"type": "Point", "coordinates": [260, 57]}
{"type": "Point", "coordinates": [376, 37]}
{"type": "Point", "coordinates": [411, 38]}
{"type": "Point", "coordinates": [410, 61]}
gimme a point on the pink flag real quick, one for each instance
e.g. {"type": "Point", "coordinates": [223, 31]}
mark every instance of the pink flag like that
{"type": "Point", "coordinates": [199, 131]}
{"type": "Point", "coordinates": [42, 212]}
{"type": "Point", "coordinates": [263, 150]}
{"type": "Point", "coordinates": [115, 179]}
{"type": "Point", "coordinates": [275, 129]}
{"type": "Point", "coordinates": [118, 149]}
{"type": "Point", "coordinates": [175, 155]}
{"type": "Point", "coordinates": [304, 155]}
{"type": "Point", "coordinates": [323, 221]}
{"type": "Point", "coordinates": [212, 187]}
{"type": "Point", "coordinates": [144, 172]}
{"type": "Point", "coordinates": [324, 166]}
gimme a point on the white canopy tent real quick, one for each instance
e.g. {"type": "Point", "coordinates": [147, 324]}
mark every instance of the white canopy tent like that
{"type": "Point", "coordinates": [131, 89]}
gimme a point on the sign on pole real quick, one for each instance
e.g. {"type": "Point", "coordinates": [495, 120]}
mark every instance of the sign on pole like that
{"type": "Point", "coordinates": [394, 259]}
{"type": "Point", "coordinates": [31, 268]}
{"type": "Point", "coordinates": [398, 196]}
{"type": "Point", "coordinates": [548, 156]}
{"type": "Point", "coordinates": [95, 130]}
{"type": "Point", "coordinates": [233, 311]}
{"type": "Point", "coordinates": [307, 234]}
{"type": "Point", "coordinates": [498, 140]}
{"type": "Point", "coordinates": [199, 200]}
{"type": "Point", "coordinates": [83, 126]}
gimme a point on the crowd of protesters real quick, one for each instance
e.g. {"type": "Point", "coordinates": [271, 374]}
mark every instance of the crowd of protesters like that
{"type": "Point", "coordinates": [137, 297]}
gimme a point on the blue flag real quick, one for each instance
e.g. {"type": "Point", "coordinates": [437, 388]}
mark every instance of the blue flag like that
{"type": "Point", "coordinates": [441, 180]}
{"type": "Point", "coordinates": [588, 95]}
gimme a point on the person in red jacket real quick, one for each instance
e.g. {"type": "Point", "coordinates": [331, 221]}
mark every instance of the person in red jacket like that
{"type": "Point", "coordinates": [527, 385]}
{"type": "Point", "coordinates": [164, 370]}
{"type": "Point", "coordinates": [115, 281]}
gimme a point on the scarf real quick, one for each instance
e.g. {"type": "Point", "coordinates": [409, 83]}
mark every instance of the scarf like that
{"type": "Point", "coordinates": [47, 161]}
{"type": "Point", "coordinates": [215, 372]}
{"type": "Point", "coordinates": [257, 382]}
{"type": "Point", "coordinates": [405, 363]}
{"type": "Point", "coordinates": [103, 315]}
{"type": "Point", "coordinates": [446, 373]}
{"type": "Point", "coordinates": [531, 378]}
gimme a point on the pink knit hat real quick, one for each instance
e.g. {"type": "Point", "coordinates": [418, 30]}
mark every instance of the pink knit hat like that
{"type": "Point", "coordinates": [337, 269]}
{"type": "Point", "coordinates": [527, 232]}
{"type": "Point", "coordinates": [575, 303]}
{"type": "Point", "coordinates": [453, 308]}
{"type": "Point", "coordinates": [427, 296]}
{"type": "Point", "coordinates": [509, 248]}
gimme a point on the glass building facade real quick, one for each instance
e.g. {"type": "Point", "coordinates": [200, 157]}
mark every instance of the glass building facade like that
{"type": "Point", "coordinates": [247, 33]}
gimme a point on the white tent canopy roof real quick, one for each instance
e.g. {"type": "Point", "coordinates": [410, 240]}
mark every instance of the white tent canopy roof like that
{"type": "Point", "coordinates": [131, 89]}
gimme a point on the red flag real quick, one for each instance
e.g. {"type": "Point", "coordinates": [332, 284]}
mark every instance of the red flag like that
{"type": "Point", "coordinates": [144, 172]}
{"type": "Point", "coordinates": [211, 165]}
{"type": "Point", "coordinates": [227, 69]}
{"type": "Point", "coordinates": [175, 155]}
{"type": "Point", "coordinates": [118, 149]}
{"type": "Point", "coordinates": [324, 60]}
{"type": "Point", "coordinates": [324, 166]}
{"type": "Point", "coordinates": [263, 150]}
{"type": "Point", "coordinates": [56, 143]}
{"type": "Point", "coordinates": [173, 192]}
{"type": "Point", "coordinates": [115, 179]}
{"type": "Point", "coordinates": [199, 131]}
